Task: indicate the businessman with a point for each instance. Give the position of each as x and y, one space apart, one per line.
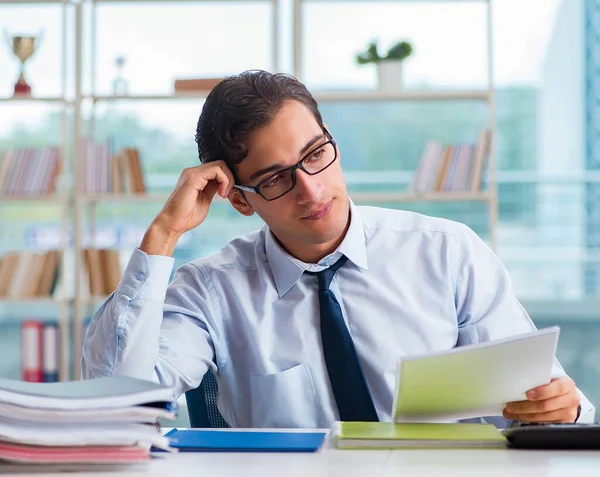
303 321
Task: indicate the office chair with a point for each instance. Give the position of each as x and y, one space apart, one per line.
202 404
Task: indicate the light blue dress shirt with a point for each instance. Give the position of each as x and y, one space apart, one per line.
412 284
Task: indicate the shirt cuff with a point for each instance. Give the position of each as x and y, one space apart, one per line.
146 276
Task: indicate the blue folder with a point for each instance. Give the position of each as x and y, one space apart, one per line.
197 440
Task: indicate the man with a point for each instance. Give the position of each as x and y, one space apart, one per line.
303 321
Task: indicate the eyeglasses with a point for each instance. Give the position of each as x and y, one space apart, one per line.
317 160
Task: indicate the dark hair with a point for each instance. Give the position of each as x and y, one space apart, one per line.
241 104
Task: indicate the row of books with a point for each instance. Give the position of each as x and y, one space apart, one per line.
106 172
29 274
34 172
455 168
103 271
40 351
29 172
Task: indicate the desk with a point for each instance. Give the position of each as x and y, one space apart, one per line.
331 462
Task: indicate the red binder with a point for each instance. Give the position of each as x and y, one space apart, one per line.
32 351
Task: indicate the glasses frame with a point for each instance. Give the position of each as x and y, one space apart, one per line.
299 165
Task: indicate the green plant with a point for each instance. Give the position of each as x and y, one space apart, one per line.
398 51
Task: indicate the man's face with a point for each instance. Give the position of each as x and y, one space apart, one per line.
311 219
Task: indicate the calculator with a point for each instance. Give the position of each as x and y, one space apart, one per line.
553 436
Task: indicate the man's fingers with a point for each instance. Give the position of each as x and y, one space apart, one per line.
198 177
562 415
549 405
558 387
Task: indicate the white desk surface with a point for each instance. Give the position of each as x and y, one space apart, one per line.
331 462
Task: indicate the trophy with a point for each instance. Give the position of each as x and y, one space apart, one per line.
23 48
120 86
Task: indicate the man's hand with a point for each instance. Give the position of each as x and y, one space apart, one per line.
554 402
187 206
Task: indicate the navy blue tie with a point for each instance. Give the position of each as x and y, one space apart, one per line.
348 382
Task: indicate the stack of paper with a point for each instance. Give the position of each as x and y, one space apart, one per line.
107 420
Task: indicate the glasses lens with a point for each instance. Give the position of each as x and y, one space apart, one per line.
320 158
277 185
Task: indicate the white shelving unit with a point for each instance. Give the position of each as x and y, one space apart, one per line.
84 206
490 196
61 200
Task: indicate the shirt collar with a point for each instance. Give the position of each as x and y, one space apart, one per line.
287 269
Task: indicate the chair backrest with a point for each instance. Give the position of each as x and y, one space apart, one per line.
202 404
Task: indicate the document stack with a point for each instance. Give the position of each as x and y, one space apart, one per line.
112 420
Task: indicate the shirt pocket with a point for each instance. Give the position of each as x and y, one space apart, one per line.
285 399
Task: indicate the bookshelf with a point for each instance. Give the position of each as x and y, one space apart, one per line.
36 99
329 96
32 194
485 95
79 208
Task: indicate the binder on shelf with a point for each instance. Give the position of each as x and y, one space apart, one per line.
50 349
40 351
32 351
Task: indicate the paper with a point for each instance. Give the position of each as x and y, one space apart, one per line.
126 414
101 393
475 380
20 453
96 434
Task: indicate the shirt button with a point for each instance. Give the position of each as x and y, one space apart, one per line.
140 276
120 331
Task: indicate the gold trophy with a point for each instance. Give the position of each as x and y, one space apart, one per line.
23 48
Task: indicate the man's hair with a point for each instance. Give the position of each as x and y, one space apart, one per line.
241 104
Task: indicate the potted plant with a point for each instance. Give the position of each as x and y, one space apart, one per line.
389 67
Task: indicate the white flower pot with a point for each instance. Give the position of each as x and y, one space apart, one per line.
389 75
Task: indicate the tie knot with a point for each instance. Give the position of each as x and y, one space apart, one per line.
325 276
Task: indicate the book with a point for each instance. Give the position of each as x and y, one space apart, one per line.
195 84
389 435
196 440
476 380
79 434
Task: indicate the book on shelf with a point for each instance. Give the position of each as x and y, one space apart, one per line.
454 168
29 172
194 85
29 274
103 271
40 351
106 172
